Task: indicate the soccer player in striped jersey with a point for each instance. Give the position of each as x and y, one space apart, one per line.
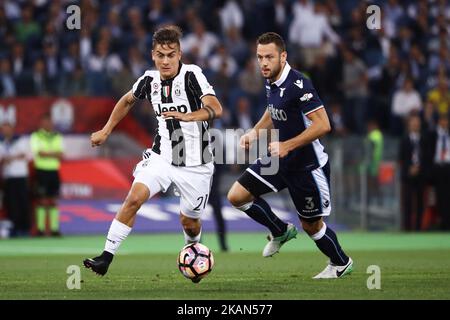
183 102
295 109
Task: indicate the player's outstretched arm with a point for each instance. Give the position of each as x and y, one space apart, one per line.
119 112
319 127
264 123
211 109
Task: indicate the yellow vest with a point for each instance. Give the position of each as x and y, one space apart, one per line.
43 140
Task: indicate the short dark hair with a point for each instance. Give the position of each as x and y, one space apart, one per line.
272 37
166 36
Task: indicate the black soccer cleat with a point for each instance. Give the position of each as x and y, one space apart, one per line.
99 264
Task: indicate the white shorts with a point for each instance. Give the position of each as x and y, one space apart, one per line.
193 183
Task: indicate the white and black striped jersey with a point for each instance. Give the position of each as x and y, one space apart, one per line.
180 143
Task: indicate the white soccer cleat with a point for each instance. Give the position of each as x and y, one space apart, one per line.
274 244
333 271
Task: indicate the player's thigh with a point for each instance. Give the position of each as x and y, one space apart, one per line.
154 173
257 182
194 185
310 192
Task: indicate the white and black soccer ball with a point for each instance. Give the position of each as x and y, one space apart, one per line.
195 261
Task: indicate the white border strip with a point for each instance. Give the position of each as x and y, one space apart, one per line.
262 179
319 107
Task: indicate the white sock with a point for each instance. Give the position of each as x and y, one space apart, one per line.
319 234
116 234
188 239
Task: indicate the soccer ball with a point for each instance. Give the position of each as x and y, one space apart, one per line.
195 261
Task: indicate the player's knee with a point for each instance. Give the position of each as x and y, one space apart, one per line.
237 198
311 227
133 202
233 198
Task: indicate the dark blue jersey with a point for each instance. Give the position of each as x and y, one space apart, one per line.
289 100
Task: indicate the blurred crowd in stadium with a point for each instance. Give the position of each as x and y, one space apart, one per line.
359 73
391 74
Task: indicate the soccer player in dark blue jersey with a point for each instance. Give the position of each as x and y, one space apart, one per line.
295 109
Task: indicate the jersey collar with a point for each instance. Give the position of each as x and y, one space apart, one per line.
284 75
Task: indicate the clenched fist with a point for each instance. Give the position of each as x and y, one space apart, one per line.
99 137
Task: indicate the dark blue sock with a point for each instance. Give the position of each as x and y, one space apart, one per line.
330 246
260 212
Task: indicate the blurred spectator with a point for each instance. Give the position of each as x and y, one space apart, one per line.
236 45
374 154
354 84
47 148
114 24
7 84
74 83
337 120
231 16
223 84
429 117
138 65
405 100
72 58
123 81
219 58
103 61
13 158
412 175
18 60
281 16
417 63
156 13
52 66
250 82
440 97
308 31
200 43
243 114
27 29
439 161
392 15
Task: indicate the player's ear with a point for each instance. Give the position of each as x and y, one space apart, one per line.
153 55
283 56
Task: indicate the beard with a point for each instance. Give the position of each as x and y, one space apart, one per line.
275 71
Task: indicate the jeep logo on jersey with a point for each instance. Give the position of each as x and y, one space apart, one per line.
277 114
159 111
306 97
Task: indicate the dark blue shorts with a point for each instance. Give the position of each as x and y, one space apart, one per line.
309 190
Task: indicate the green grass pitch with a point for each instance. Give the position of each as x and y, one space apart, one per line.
413 266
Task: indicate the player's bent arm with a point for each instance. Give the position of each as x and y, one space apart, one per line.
120 110
264 123
211 109
319 127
